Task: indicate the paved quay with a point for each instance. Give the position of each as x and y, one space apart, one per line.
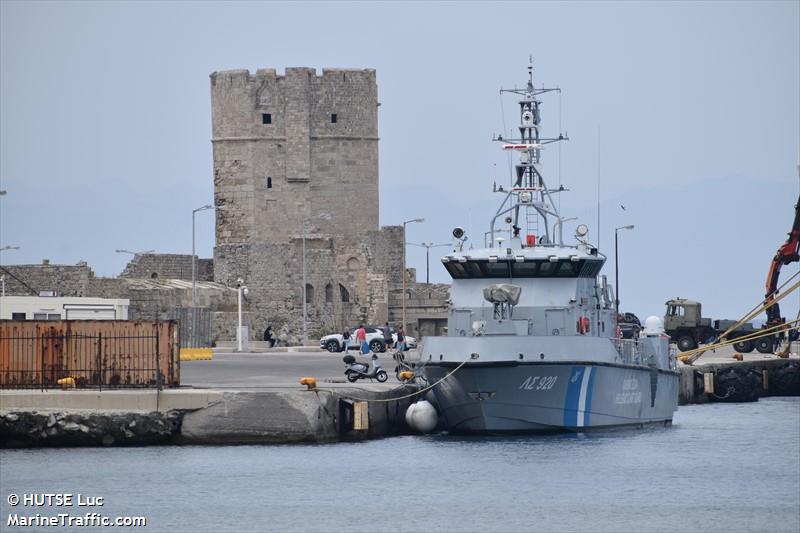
235 398
273 369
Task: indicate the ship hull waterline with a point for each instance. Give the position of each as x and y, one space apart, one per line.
533 397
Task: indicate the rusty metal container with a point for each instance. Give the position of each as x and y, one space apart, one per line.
95 353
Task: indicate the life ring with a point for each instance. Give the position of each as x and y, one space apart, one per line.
583 325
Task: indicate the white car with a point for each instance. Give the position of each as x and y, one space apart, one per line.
375 340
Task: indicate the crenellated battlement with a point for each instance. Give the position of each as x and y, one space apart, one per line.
245 76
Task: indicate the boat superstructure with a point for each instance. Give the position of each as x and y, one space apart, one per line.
532 327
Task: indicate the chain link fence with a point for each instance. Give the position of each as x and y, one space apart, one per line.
195 328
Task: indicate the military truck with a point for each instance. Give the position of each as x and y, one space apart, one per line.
685 324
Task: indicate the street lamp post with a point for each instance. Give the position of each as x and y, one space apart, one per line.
3 277
240 289
323 216
420 220
428 246
616 267
193 339
134 253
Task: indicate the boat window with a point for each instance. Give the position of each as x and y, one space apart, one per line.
456 270
528 269
563 268
546 269
473 270
496 270
590 269
566 269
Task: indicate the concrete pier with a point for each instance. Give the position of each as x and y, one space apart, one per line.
718 377
64 418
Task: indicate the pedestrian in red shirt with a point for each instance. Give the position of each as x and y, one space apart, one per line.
361 338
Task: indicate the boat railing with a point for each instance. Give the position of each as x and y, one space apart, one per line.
673 357
630 351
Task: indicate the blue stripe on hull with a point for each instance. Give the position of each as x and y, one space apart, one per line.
573 396
592 374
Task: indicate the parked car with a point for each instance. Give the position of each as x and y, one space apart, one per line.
411 342
375 340
629 325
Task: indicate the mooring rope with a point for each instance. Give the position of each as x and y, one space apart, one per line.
731 390
689 354
429 387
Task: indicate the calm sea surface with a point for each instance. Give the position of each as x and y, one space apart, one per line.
726 468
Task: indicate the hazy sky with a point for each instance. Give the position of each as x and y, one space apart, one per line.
105 124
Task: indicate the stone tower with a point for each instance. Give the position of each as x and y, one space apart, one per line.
296 154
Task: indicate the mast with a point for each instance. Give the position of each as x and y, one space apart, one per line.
530 201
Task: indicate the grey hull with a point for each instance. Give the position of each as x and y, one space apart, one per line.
547 397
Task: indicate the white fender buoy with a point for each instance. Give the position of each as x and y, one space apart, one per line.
421 416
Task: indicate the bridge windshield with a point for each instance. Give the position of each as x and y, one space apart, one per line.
563 268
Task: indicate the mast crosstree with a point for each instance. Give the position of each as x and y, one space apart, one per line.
529 200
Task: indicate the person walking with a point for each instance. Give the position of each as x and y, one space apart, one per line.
361 339
268 337
387 335
346 339
401 340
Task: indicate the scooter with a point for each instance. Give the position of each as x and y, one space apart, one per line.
356 371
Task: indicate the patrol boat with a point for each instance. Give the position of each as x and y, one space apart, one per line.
532 340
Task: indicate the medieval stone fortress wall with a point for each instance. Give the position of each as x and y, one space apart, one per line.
297 154
294 155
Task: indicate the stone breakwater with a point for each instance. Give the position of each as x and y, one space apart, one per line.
202 417
745 381
26 429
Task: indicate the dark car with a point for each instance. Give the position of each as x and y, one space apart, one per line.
629 325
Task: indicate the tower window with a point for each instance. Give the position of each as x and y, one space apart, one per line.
334 118
309 293
266 118
269 182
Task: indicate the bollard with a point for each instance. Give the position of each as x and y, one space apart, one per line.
708 382
311 383
360 416
353 417
765 379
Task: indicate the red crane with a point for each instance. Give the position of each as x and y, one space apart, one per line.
787 253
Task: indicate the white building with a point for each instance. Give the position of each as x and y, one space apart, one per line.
58 308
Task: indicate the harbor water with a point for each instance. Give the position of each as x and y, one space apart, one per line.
720 467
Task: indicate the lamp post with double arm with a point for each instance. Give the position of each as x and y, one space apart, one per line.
428 246
3 277
193 338
405 223
616 267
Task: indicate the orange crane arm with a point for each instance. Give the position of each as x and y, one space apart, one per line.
787 253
